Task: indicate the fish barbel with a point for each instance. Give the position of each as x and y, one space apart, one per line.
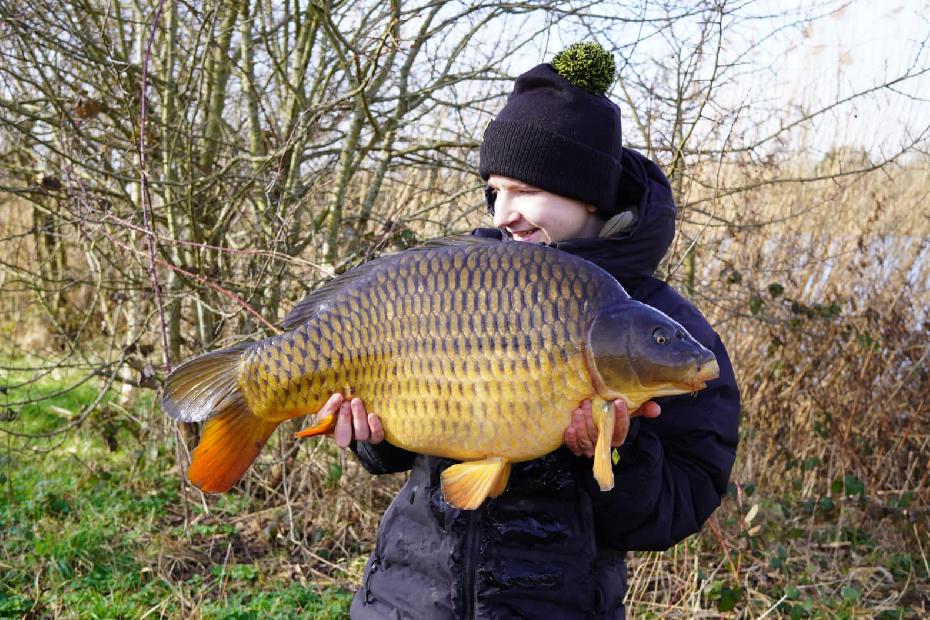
471 349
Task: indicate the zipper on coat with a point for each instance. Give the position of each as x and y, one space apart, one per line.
470 564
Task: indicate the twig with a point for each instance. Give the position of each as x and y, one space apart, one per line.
783 598
923 555
203 280
146 202
222 581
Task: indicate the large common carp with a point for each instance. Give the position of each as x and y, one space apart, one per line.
467 348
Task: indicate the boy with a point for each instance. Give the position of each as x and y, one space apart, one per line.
553 545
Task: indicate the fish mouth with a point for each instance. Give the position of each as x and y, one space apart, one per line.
703 374
636 396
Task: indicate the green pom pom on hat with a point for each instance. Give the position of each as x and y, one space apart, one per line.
587 65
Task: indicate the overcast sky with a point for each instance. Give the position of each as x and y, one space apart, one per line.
802 64
861 46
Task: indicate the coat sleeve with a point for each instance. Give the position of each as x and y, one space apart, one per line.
673 470
382 458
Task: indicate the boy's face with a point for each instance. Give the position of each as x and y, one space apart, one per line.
531 214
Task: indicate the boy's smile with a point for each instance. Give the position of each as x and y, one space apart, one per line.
531 214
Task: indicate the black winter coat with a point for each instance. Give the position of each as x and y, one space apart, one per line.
553 545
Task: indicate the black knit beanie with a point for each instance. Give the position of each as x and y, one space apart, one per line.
559 132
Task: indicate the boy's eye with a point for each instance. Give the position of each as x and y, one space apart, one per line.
490 196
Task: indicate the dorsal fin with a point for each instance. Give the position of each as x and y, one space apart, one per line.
321 298
454 240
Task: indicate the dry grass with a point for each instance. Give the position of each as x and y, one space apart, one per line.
825 316
820 290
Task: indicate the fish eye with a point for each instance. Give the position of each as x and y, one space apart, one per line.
659 336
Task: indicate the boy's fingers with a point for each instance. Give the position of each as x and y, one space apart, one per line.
649 409
581 434
571 441
377 431
581 428
591 429
360 420
331 406
585 431
621 424
343 433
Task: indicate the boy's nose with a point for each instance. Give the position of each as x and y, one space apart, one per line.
504 214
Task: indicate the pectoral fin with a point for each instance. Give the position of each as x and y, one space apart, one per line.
604 419
325 426
466 485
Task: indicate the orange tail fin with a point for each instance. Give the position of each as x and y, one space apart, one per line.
206 389
230 443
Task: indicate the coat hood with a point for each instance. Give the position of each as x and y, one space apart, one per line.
637 252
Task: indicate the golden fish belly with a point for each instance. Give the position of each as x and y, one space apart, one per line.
519 414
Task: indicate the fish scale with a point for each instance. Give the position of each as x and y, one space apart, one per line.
475 350
490 337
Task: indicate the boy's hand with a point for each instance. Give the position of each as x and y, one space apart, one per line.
352 422
581 435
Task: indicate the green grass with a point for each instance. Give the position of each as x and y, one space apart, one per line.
87 515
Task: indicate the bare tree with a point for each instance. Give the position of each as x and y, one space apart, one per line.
175 175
